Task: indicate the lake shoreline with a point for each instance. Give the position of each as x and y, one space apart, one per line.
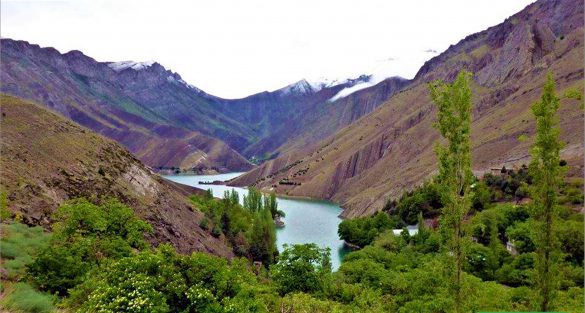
307 220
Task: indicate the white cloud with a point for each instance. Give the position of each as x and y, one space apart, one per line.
235 48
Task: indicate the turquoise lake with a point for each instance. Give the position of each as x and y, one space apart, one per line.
306 221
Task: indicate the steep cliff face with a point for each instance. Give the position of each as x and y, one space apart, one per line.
127 104
47 160
391 149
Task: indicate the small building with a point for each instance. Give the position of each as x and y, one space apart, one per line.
257 266
497 171
511 247
412 230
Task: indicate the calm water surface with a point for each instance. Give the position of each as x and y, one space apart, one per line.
306 220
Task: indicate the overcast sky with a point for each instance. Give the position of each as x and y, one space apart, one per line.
235 48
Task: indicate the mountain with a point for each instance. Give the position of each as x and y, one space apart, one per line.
390 150
308 117
47 159
170 123
147 108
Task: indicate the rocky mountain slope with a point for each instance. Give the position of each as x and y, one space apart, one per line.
47 159
167 122
287 118
391 149
147 108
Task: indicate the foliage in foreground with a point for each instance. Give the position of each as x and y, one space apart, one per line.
164 281
21 297
548 176
85 235
455 177
19 245
302 268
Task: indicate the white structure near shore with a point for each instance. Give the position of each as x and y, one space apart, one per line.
412 230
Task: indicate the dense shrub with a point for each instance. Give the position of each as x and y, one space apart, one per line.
510 184
425 199
521 235
302 268
164 281
362 231
482 196
84 235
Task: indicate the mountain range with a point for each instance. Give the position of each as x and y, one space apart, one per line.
163 120
321 140
390 150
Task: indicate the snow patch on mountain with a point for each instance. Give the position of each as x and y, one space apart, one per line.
302 87
373 80
349 90
324 82
306 87
380 71
122 65
172 79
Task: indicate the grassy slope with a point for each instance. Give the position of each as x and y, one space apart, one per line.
47 159
19 245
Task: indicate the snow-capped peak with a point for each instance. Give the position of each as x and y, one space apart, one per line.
302 87
120 66
324 82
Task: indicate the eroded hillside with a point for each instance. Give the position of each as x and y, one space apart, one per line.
391 150
47 159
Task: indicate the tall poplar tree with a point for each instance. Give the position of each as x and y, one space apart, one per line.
455 177
547 176
271 204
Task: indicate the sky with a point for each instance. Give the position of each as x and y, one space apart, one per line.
234 48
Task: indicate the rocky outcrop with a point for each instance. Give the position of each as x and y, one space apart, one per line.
47 160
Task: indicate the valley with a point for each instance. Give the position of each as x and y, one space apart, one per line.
124 188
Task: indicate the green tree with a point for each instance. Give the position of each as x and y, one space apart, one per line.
162 280
482 196
496 250
455 176
263 243
231 197
302 268
271 204
547 177
84 235
253 201
362 231
209 194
